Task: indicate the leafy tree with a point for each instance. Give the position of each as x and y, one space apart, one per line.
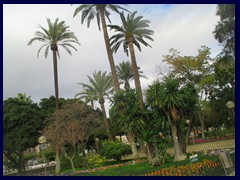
125 114
134 30
146 136
47 105
171 102
224 67
70 125
100 11
22 123
194 70
115 150
191 100
125 73
100 87
57 35
24 98
223 89
225 29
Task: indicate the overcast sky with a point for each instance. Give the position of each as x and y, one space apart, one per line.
182 27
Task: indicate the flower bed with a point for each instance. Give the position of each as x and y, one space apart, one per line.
207 167
111 166
212 139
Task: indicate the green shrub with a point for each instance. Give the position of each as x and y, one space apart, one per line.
29 156
220 133
49 154
65 163
115 150
95 160
163 155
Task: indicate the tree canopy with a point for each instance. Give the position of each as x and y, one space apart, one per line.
22 123
225 29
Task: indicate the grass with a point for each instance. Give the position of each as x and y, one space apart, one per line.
144 168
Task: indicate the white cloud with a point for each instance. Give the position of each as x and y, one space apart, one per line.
183 27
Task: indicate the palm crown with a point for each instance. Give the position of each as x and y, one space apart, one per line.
100 85
125 73
133 29
90 11
100 11
58 34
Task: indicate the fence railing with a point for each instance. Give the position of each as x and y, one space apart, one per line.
204 170
215 168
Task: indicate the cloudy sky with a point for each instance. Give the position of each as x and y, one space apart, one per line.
182 27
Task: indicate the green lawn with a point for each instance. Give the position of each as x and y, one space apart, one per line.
144 168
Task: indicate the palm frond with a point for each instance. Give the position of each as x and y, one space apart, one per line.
57 34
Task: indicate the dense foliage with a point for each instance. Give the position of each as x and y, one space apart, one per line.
22 123
115 150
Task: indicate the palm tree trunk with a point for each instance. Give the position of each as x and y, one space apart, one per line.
107 124
181 143
149 154
179 155
131 138
109 51
135 73
126 85
55 69
190 127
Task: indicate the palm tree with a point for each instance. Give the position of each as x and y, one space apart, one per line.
57 35
100 86
132 32
168 98
125 73
100 11
127 115
89 95
24 98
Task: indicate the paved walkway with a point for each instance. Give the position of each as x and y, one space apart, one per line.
224 144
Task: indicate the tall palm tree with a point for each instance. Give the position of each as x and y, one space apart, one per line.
101 86
132 32
57 35
100 11
125 73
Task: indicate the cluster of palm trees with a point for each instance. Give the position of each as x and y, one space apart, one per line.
133 31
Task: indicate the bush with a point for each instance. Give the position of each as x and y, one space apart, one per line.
65 163
95 160
49 154
115 150
29 156
221 133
